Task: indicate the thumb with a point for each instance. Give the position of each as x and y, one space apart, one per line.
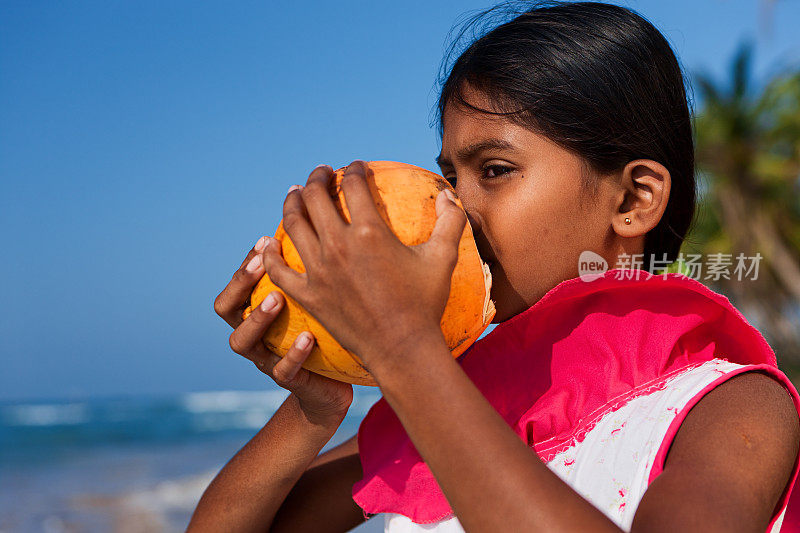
450 222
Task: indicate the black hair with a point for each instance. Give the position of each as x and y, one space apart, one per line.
598 80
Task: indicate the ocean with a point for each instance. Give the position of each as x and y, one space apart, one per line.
129 465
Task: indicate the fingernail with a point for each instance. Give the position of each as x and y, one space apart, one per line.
450 195
354 167
294 187
254 264
304 341
261 244
270 302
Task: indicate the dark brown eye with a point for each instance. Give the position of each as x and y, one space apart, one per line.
494 171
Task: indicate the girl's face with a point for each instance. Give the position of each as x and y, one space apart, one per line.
524 199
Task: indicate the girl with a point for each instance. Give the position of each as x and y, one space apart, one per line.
623 401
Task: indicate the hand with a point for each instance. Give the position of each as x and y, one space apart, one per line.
322 399
370 291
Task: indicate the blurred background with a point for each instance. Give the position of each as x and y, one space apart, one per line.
146 146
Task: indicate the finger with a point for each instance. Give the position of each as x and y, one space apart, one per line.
256 249
286 370
281 274
233 298
450 222
357 195
246 338
298 227
319 204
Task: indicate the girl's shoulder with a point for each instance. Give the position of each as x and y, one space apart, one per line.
612 452
737 448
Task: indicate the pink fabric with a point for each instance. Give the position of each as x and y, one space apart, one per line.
548 371
791 522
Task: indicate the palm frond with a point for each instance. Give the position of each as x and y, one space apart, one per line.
711 95
741 70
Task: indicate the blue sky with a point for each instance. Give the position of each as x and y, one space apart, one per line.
145 146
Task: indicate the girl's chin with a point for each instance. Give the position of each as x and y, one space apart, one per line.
506 305
501 315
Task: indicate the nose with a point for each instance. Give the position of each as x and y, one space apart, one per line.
484 249
475 221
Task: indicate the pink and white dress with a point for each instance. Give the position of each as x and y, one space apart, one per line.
596 378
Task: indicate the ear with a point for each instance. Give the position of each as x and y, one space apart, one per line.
645 186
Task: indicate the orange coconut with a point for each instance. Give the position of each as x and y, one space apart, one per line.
405 196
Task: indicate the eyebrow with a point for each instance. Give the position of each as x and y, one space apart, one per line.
473 149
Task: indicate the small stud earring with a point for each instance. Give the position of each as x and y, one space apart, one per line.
627 220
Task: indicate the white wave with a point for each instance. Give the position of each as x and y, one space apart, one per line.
164 507
252 403
181 494
47 414
249 419
232 401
